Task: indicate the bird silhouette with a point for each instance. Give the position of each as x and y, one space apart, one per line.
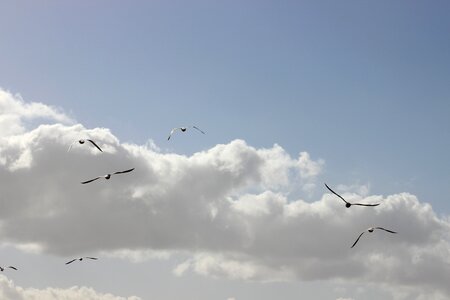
80 259
348 204
82 141
371 229
183 129
107 176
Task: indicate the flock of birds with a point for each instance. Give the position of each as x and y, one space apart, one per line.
348 204
184 129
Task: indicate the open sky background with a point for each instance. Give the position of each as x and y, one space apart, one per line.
352 93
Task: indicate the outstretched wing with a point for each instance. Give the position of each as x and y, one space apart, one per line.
69 262
385 229
94 258
93 143
84 182
198 129
172 131
362 204
71 145
11 267
126 171
357 239
335 193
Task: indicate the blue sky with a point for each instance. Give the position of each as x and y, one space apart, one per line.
360 84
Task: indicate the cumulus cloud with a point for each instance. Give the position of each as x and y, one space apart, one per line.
226 208
15 112
10 291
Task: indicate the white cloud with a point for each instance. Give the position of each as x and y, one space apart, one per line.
8 290
14 112
225 207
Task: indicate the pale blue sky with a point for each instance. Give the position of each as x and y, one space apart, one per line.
363 85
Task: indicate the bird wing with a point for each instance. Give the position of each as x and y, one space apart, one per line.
69 262
126 171
11 267
385 229
93 143
357 239
94 258
362 204
71 145
172 131
84 182
198 129
335 193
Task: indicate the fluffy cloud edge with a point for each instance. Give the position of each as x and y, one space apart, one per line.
9 290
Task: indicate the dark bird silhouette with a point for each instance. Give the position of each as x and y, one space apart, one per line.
82 141
371 229
183 129
80 259
107 176
348 204
10 267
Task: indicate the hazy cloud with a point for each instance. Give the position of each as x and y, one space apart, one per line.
8 290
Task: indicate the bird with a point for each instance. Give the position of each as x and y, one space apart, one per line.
82 141
348 204
183 129
371 229
80 259
107 176
11 267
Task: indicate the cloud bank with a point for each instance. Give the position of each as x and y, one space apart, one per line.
227 208
8 290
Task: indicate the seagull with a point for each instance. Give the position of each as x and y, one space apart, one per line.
371 229
348 204
80 259
107 176
82 141
183 129
11 267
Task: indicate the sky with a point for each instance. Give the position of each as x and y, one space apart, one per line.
290 95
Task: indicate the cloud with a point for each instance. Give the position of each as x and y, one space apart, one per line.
14 113
227 208
8 290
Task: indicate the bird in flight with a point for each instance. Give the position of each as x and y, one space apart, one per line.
107 176
82 141
348 204
10 267
371 229
80 259
183 129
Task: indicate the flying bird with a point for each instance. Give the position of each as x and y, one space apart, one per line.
371 229
82 141
348 204
107 176
81 258
183 129
11 267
